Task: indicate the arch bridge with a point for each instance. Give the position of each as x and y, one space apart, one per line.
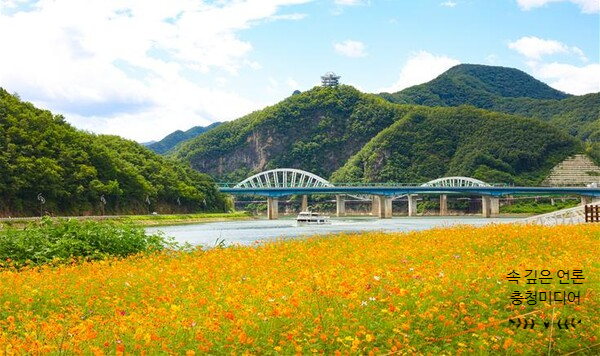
287 181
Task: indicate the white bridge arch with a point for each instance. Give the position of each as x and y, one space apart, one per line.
296 178
450 182
284 178
456 182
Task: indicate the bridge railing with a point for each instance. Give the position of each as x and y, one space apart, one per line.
363 184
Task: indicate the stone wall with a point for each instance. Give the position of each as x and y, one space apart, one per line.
578 170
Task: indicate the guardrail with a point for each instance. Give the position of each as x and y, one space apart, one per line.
573 215
361 184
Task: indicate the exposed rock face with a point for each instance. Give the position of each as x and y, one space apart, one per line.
317 131
578 170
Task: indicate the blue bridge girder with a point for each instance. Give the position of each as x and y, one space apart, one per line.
401 190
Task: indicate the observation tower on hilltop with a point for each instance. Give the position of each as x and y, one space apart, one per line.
330 79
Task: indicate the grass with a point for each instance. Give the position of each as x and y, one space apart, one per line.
142 220
441 291
172 219
531 206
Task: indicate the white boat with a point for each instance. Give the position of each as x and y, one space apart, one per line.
309 217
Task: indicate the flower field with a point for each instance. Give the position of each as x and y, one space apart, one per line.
441 291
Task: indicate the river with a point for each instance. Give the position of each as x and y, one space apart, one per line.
250 231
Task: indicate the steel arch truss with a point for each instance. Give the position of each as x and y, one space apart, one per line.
284 178
451 182
456 182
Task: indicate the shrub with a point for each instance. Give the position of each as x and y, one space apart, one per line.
62 240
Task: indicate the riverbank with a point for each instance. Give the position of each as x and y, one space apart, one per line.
142 220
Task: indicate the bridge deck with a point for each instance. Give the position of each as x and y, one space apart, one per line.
401 190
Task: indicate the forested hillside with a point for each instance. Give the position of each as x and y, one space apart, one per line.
577 115
325 129
478 85
511 91
40 154
317 131
175 138
429 143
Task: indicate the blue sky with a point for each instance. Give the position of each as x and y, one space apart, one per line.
142 69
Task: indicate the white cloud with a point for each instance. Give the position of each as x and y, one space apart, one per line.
350 2
421 67
566 77
292 83
341 4
188 106
586 6
295 17
448 4
569 78
108 64
350 48
491 59
534 48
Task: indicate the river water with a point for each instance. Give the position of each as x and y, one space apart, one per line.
248 232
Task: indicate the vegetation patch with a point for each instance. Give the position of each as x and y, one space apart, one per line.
535 206
173 219
430 143
441 291
47 167
62 241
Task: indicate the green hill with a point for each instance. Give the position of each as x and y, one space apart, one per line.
478 85
429 143
510 91
317 131
577 115
177 137
42 154
363 138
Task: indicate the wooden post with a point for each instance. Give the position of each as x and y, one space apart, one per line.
592 213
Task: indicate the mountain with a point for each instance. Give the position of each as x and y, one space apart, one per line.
478 85
317 131
510 91
175 138
430 143
361 137
42 156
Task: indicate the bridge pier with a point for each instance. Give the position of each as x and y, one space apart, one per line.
443 205
585 199
272 208
374 205
486 206
495 206
412 204
384 207
340 204
304 203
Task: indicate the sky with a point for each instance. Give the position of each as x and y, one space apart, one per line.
143 69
